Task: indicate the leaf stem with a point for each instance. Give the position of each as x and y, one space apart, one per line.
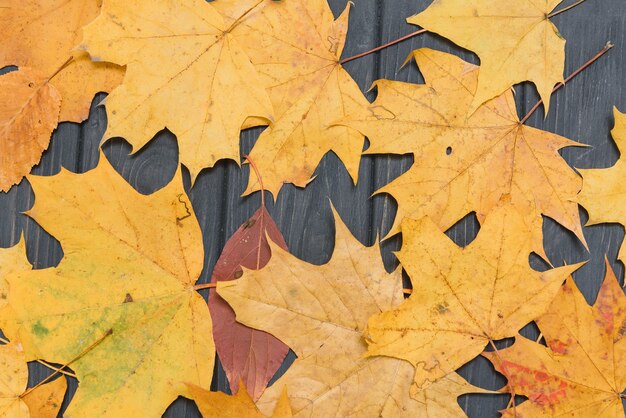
603 51
508 383
205 286
61 68
565 9
80 355
258 176
387 45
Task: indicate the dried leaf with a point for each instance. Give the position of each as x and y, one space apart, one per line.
221 405
117 243
321 312
296 46
42 402
462 298
603 194
43 34
185 72
582 372
465 164
29 112
245 353
515 41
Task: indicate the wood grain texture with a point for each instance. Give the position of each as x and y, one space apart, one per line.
581 111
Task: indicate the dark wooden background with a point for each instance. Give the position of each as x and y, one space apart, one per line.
581 111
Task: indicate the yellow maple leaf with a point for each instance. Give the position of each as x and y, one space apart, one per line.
15 400
12 261
42 34
29 112
296 46
321 313
465 164
185 72
239 405
603 194
515 41
125 284
462 299
582 372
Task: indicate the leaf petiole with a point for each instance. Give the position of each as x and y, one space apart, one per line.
565 9
80 355
387 45
603 51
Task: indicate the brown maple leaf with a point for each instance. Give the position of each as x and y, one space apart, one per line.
246 354
582 371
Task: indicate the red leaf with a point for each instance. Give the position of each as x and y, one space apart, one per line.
247 354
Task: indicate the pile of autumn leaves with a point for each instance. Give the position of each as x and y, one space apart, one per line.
122 309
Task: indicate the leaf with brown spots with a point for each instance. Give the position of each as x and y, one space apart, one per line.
29 112
582 371
463 298
246 354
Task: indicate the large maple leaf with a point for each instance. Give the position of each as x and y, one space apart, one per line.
515 41
246 354
582 372
603 194
42 34
296 46
465 164
29 112
462 299
16 401
125 284
185 72
321 313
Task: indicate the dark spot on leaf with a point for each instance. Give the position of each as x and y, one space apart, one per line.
39 329
442 308
249 223
448 150
128 298
238 274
